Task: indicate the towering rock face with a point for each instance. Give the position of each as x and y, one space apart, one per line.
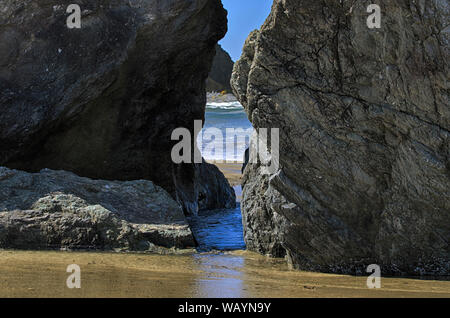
221 70
364 120
103 100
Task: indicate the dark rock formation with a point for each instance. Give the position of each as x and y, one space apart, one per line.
221 70
364 120
263 227
57 209
213 191
103 100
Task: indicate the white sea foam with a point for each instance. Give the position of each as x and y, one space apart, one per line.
225 105
226 148
223 115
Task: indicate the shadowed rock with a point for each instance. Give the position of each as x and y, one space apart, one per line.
57 209
103 100
220 74
213 191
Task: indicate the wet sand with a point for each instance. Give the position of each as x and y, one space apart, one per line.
231 274
234 274
232 171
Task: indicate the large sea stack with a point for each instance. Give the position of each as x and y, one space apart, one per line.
364 118
221 70
102 101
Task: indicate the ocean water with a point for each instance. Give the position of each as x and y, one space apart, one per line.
218 230
226 133
225 136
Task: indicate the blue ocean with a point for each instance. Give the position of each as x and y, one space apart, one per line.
226 132
225 136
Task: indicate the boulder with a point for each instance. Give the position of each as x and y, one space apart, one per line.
58 209
364 119
214 190
102 101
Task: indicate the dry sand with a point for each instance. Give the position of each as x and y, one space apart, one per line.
235 274
232 171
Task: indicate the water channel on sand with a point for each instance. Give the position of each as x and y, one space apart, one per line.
228 274
207 273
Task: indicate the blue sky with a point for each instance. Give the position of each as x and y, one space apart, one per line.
244 16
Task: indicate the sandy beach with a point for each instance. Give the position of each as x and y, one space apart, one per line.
232 274
222 275
232 171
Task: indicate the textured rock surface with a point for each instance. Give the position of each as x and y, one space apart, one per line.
364 120
221 70
214 190
263 227
103 100
57 209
